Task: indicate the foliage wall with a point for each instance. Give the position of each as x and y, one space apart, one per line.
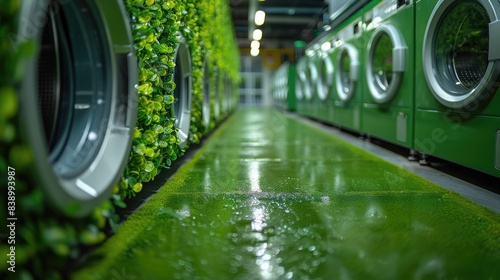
47 242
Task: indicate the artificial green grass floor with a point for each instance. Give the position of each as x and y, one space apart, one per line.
269 197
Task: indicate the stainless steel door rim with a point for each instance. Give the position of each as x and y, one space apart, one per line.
78 103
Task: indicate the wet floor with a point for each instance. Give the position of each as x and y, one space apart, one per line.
270 197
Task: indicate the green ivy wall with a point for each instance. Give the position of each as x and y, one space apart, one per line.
48 242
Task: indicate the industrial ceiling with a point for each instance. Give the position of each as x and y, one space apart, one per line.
286 21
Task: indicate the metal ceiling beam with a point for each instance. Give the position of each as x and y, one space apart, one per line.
292 10
252 8
289 20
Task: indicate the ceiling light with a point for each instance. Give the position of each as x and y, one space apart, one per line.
255 45
260 17
326 46
257 34
254 52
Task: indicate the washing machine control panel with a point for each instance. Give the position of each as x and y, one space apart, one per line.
383 11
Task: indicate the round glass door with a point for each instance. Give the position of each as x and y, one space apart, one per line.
182 92
386 63
457 55
311 78
325 76
206 93
347 72
382 62
301 80
79 101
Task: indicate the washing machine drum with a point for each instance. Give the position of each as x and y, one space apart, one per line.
461 52
347 72
78 104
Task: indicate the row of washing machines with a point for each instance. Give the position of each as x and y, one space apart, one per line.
421 74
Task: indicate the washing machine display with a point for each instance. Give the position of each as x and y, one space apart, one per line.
458 116
388 101
348 81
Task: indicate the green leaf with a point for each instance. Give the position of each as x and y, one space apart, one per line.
145 16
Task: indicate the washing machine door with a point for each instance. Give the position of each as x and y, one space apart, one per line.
283 82
461 51
301 80
325 80
311 79
217 94
182 92
78 102
347 72
206 93
386 63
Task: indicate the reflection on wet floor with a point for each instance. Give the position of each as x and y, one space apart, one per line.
269 197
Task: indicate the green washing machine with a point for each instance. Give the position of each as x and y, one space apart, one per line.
77 98
279 87
313 54
388 101
348 78
301 85
457 99
324 83
284 87
310 94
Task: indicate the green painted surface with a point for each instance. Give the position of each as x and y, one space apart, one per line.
291 100
269 197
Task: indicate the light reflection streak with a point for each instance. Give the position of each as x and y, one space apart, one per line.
207 180
260 214
254 176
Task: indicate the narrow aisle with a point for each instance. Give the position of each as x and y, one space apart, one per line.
269 197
